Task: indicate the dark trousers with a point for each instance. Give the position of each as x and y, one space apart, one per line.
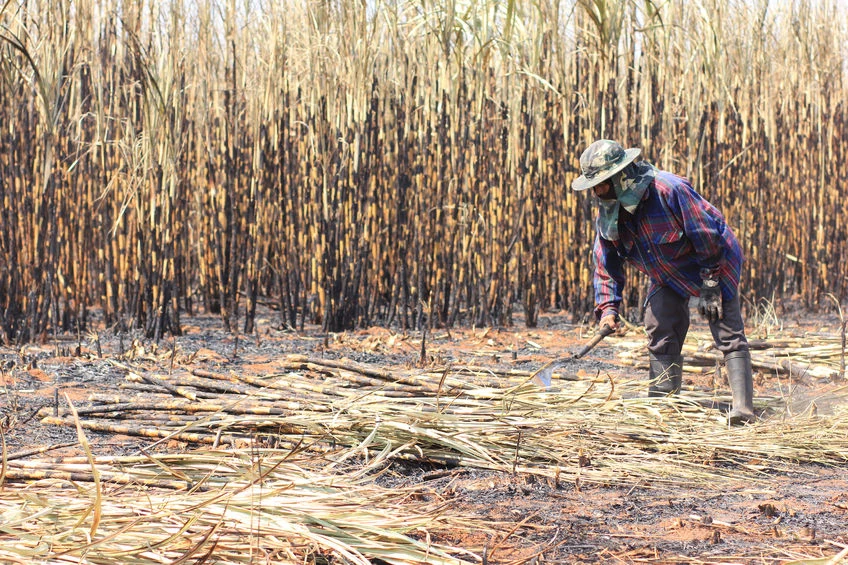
667 321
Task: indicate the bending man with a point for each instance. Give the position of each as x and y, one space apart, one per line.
656 221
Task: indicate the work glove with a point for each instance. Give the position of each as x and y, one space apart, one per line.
710 303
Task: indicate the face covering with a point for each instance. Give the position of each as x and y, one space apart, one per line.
630 186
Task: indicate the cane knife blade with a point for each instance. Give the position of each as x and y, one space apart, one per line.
543 376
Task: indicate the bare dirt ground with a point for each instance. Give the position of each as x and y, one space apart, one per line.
786 517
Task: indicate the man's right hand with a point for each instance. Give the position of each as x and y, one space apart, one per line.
610 320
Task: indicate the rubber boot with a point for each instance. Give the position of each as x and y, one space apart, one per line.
666 374
739 376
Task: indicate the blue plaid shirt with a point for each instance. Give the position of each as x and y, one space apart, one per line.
675 237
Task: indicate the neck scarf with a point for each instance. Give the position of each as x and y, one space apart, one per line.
630 186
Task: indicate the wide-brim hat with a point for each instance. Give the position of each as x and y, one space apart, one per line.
600 161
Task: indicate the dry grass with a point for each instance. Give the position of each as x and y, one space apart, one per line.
233 507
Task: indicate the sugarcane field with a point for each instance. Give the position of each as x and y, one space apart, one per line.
396 282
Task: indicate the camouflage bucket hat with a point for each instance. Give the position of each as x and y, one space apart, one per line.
600 161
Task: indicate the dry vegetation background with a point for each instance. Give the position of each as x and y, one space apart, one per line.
395 162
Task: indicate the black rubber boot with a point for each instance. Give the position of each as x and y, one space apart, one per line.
666 374
740 378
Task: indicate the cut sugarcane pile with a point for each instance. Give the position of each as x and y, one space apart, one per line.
816 356
215 506
468 416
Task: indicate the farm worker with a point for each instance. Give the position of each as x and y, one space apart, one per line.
656 221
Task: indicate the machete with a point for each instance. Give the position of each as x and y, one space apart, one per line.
543 376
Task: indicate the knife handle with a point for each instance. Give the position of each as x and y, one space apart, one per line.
604 332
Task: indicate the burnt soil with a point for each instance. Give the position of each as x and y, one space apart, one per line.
800 514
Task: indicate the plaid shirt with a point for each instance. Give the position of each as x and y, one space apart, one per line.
675 237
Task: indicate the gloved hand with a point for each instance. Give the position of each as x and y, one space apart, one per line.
710 303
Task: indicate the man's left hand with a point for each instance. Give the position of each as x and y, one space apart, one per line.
710 303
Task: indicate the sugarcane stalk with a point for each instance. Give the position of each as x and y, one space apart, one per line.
142 431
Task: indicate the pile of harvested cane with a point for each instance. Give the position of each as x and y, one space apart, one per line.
472 416
214 506
808 356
